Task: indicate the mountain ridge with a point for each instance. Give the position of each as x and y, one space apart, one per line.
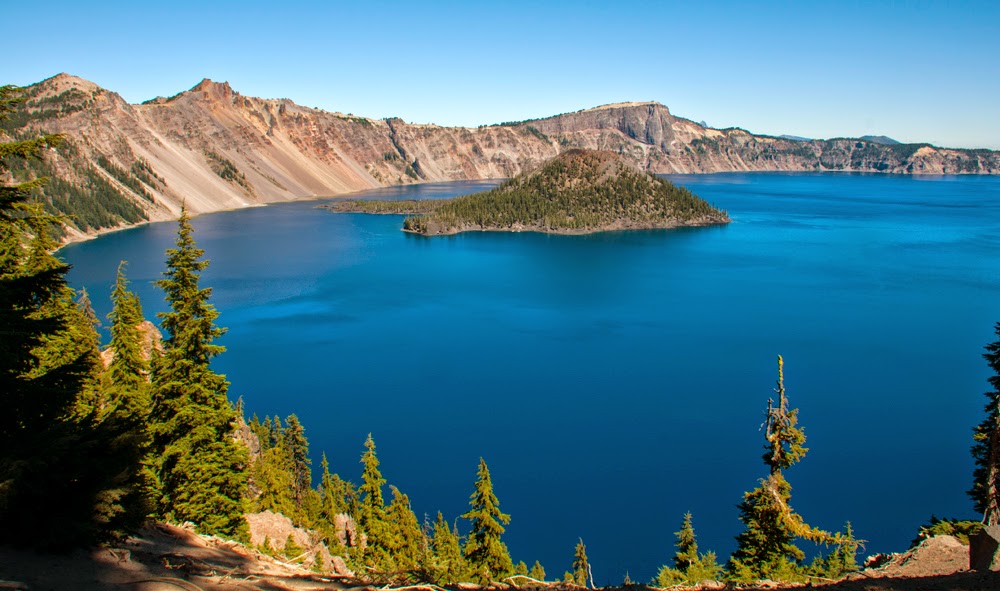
213 148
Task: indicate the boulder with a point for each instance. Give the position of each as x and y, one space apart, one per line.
984 549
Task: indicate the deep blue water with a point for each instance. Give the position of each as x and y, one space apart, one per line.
615 381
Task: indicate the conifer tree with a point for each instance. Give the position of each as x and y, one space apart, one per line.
201 470
407 537
451 565
689 566
485 552
333 493
537 572
521 568
985 490
687 545
581 566
372 512
60 461
297 448
766 548
129 368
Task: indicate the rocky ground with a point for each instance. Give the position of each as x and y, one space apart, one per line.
167 557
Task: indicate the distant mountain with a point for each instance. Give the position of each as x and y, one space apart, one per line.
213 149
880 139
795 138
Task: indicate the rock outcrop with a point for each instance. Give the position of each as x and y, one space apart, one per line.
213 148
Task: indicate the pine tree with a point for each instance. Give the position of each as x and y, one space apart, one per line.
200 468
766 548
581 566
485 552
129 368
297 448
372 513
537 572
687 545
60 460
451 567
407 537
333 493
985 490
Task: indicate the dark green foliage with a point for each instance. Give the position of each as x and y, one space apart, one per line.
372 515
485 552
537 572
227 170
297 449
200 469
581 566
336 494
381 206
766 548
841 561
937 526
687 545
406 543
64 461
292 550
451 566
125 177
985 490
576 191
129 368
690 567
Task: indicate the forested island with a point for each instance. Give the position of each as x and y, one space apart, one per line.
577 192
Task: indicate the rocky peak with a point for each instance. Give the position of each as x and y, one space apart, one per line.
216 90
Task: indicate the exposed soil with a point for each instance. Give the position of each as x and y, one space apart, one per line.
167 558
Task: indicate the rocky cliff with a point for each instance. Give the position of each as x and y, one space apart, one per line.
213 149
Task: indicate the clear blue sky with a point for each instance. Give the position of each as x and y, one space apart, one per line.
913 70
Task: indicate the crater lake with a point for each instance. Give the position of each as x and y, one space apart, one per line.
615 381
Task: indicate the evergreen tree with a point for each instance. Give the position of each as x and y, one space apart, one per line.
372 513
687 545
333 493
521 568
451 567
766 548
61 461
581 566
407 538
129 368
201 469
485 552
985 490
297 449
537 572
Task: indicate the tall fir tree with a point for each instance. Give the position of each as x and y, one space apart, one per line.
297 448
61 461
485 552
766 548
687 545
372 514
985 490
581 564
201 469
689 567
129 367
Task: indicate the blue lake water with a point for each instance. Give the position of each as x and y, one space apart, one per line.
615 381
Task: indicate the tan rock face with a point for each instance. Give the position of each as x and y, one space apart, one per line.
212 148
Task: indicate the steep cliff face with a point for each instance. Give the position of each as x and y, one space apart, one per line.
213 149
